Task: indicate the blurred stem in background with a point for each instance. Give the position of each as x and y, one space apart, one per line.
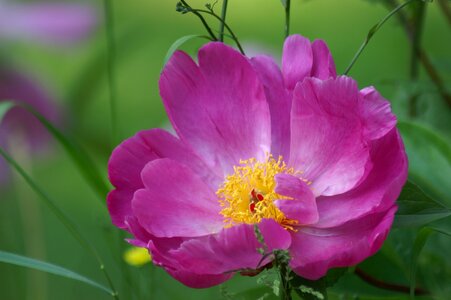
32 224
445 7
423 56
111 54
223 17
396 10
287 17
419 12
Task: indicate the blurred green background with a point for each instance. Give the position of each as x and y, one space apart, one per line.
144 31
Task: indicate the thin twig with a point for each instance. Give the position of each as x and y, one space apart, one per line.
417 30
373 31
202 19
423 56
385 285
444 5
225 25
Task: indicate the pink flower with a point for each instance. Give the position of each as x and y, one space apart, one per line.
315 162
18 124
47 22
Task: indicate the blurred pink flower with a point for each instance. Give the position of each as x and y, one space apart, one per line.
20 88
313 161
46 22
54 23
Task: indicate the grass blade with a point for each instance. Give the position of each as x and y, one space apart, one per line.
60 215
78 155
372 31
23 261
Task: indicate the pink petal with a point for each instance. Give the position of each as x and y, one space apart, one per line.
218 107
175 202
232 249
376 112
377 192
160 249
327 143
197 281
302 206
297 60
279 100
323 64
314 251
130 157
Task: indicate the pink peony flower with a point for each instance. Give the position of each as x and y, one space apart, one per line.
313 161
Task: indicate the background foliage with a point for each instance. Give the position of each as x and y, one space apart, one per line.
145 29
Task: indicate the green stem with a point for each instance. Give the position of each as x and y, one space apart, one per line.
111 54
386 285
61 217
444 6
418 21
31 217
423 56
373 31
225 25
285 287
223 17
287 18
202 19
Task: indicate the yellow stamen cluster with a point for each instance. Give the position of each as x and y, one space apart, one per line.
235 195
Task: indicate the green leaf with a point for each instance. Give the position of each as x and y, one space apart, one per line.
4 108
316 289
78 155
58 213
284 3
18 260
417 209
429 155
418 246
256 293
179 43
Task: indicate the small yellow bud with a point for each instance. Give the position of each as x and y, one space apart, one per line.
137 257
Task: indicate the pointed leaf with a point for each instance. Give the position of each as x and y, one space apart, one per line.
179 43
420 241
19 260
417 209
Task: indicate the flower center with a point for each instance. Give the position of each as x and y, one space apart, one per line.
247 196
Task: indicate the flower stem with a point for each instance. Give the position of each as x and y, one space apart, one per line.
418 20
202 19
234 37
111 54
444 5
423 56
223 18
287 18
385 285
285 287
373 30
